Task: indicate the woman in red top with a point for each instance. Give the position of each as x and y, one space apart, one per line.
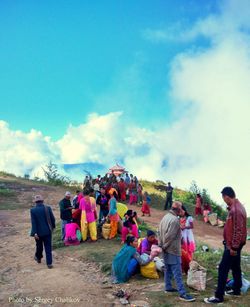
132 192
198 208
122 189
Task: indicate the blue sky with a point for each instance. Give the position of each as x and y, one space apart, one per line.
61 60
162 88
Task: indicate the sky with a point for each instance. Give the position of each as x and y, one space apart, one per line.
162 89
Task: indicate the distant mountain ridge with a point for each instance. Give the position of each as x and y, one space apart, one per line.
78 171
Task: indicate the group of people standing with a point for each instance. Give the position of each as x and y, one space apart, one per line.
127 187
175 235
84 213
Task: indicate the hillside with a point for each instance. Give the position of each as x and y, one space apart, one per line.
86 264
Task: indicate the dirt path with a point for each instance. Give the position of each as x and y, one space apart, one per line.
25 281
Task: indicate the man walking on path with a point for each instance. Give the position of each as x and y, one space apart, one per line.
65 212
170 241
235 232
43 223
169 191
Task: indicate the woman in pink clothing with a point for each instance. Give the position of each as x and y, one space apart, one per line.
129 225
71 234
88 217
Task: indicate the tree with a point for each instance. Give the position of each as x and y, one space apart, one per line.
194 188
52 175
206 197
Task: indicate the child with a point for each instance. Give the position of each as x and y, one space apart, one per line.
145 204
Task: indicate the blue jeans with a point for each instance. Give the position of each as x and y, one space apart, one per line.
173 269
63 223
46 241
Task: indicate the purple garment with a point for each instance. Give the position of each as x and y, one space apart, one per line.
146 246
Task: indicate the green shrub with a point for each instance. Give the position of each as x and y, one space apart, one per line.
53 177
56 237
6 192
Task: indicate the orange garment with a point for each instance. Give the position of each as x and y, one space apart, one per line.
112 190
113 229
185 260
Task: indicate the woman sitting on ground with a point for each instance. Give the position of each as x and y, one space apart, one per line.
129 225
146 243
127 261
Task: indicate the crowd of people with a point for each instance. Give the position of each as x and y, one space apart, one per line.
103 192
174 239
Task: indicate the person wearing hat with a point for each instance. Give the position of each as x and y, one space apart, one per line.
65 212
43 223
170 242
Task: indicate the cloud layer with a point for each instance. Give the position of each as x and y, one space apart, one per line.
209 138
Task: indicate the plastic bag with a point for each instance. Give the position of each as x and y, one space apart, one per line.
149 270
159 263
213 219
145 258
220 223
196 278
245 284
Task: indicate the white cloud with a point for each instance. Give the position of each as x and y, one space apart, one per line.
100 139
22 153
209 141
210 87
214 84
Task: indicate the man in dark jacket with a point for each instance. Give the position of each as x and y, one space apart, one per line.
65 212
103 201
43 222
235 233
169 191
